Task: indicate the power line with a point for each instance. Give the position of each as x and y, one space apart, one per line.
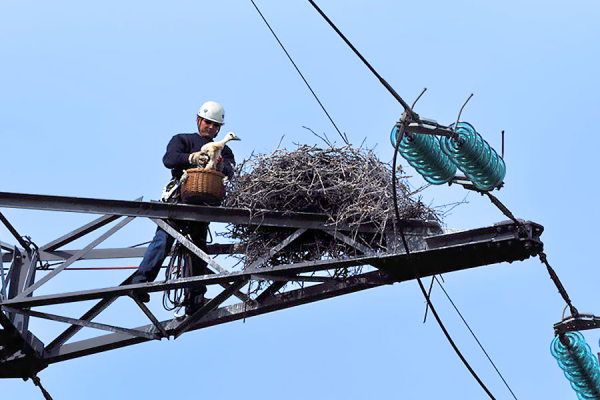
418 278
383 81
472 333
342 135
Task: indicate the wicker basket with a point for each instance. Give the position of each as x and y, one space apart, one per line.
203 186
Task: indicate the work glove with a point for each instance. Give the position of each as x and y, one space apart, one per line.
198 158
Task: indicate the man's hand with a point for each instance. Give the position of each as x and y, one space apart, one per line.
198 158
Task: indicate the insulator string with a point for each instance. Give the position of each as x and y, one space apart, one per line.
474 157
424 154
580 366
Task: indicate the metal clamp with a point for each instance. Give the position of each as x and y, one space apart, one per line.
580 322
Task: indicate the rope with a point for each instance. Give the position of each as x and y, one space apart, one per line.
342 135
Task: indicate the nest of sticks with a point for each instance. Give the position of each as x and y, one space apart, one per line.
351 186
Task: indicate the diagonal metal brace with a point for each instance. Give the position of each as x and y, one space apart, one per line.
349 241
216 268
14 232
88 316
275 286
208 307
189 245
82 231
277 249
89 324
150 316
74 258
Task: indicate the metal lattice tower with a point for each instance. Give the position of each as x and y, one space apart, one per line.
22 354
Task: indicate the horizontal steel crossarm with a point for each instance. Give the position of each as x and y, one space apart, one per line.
89 324
506 230
185 282
184 212
226 314
122 252
294 278
451 252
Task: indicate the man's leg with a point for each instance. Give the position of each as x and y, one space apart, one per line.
198 232
154 257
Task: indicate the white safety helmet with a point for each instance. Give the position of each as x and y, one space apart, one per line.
213 112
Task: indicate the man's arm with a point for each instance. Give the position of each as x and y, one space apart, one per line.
178 152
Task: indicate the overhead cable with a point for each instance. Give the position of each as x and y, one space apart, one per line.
342 135
474 336
383 81
418 278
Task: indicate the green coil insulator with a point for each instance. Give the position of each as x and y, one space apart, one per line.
423 153
474 157
580 366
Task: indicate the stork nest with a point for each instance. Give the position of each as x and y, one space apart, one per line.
351 186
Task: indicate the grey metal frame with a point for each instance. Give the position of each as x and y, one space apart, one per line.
23 355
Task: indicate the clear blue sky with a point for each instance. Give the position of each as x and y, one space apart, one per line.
90 93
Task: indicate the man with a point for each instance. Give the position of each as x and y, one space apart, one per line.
183 152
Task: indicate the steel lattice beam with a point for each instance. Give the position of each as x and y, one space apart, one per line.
184 212
432 252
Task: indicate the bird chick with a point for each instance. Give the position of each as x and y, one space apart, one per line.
214 149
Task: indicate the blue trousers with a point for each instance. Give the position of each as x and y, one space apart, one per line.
160 247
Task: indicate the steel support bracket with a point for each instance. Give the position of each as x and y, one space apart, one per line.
21 355
581 322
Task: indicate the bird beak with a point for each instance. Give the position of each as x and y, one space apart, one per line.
236 138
